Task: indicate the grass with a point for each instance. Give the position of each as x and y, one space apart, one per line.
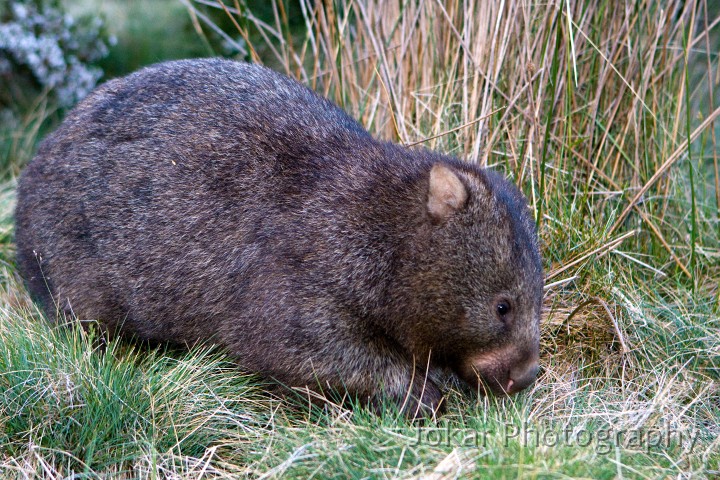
603 113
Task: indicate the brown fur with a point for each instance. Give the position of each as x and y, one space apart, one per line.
209 200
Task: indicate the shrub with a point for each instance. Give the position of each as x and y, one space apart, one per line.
43 49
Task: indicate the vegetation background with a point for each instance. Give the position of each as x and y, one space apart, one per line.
604 112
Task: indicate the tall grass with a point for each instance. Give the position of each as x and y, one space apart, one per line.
580 100
603 112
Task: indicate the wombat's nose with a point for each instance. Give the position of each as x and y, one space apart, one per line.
522 377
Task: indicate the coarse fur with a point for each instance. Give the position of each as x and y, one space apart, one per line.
212 200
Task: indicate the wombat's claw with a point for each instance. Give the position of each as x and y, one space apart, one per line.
425 402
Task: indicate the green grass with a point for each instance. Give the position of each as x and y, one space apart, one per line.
592 105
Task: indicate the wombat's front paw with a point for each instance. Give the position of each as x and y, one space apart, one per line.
424 401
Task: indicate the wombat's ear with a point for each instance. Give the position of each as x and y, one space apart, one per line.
447 194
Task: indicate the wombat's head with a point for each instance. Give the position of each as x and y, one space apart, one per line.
478 279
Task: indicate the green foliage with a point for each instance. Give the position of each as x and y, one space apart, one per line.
148 31
44 47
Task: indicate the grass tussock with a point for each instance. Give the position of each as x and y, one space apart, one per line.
603 112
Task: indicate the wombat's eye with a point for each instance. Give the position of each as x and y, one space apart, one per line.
503 308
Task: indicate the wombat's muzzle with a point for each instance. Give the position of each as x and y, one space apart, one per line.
522 377
503 371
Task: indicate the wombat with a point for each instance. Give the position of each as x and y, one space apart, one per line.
217 201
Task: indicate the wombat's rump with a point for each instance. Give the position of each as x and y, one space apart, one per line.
210 200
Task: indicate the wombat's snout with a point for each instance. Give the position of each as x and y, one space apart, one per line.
502 371
522 377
